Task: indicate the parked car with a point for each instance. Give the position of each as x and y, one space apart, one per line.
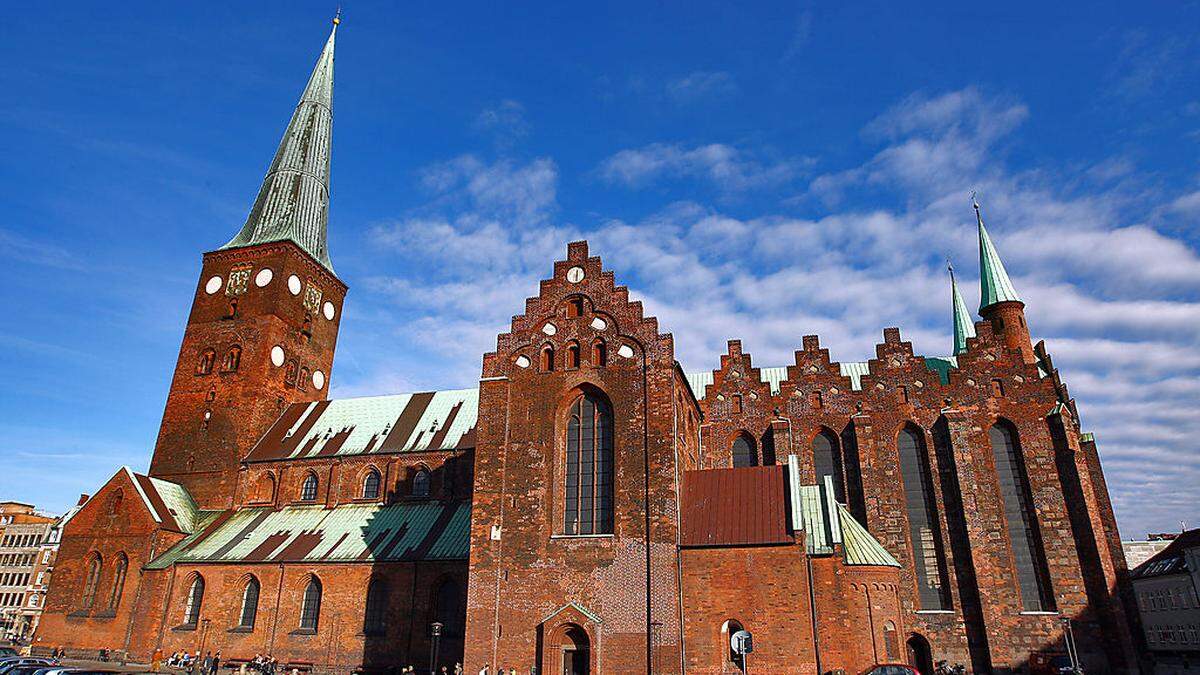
11 667
8 651
886 669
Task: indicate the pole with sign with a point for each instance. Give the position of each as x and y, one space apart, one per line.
742 643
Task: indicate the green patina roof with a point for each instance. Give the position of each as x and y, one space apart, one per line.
994 284
964 325
861 548
942 365
827 523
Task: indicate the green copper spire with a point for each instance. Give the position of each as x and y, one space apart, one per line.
293 202
994 284
964 327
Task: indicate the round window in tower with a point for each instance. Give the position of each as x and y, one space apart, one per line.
575 275
213 285
328 310
294 284
263 277
318 379
277 355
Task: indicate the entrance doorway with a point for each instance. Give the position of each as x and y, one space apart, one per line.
576 654
920 656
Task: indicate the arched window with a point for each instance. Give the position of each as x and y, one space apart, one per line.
588 479
195 598
114 503
249 604
375 616
302 381
233 358
420 483
547 359
727 630
308 490
266 489
575 306
929 561
310 608
599 354
827 462
370 488
118 585
743 451
93 580
449 608
891 645
205 365
573 355
1033 576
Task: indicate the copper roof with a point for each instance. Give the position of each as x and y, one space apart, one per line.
734 507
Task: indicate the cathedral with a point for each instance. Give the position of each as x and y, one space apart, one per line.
590 507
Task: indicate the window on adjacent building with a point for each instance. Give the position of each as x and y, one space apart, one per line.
249 604
310 609
588 479
743 451
929 560
370 488
195 598
308 491
1029 559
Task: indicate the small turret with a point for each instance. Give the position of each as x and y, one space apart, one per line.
998 299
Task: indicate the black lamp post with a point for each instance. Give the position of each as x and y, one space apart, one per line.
435 635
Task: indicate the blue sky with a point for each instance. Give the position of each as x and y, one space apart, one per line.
758 173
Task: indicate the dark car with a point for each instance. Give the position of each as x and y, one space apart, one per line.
890 669
12 667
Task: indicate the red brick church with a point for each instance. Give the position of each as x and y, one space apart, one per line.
590 507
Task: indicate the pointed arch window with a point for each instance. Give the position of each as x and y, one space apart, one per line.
375 616
118 585
308 490
929 560
195 598
370 489
827 462
420 482
588 479
547 359
310 608
599 354
573 355
1033 575
233 359
205 365
249 611
743 451
93 580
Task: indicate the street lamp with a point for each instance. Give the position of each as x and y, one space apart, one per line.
1069 639
435 634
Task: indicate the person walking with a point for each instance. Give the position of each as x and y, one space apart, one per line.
156 660
216 662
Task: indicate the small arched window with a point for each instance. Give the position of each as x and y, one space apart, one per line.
370 489
233 359
310 608
743 451
420 483
573 355
891 641
266 489
727 631
302 381
575 306
118 497
375 616
195 598
599 354
118 585
205 365
291 373
547 359
249 611
308 490
93 580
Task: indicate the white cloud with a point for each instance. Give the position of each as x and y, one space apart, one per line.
701 84
505 122
724 166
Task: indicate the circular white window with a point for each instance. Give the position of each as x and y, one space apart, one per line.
294 284
575 275
327 310
523 361
277 355
213 285
599 324
549 329
318 379
263 277
625 351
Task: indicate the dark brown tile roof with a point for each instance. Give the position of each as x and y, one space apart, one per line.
1171 559
734 507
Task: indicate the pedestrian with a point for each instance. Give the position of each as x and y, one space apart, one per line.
484 670
156 660
206 668
458 669
216 663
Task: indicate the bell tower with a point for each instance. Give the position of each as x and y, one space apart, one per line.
265 315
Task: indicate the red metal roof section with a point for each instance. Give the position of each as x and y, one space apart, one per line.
745 506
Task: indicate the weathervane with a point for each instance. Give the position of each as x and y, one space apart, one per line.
337 18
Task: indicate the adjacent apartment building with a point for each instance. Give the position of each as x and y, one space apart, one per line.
1167 587
23 532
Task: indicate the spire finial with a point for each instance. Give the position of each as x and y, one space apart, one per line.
337 18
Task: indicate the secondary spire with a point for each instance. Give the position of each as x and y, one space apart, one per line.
964 327
293 202
994 284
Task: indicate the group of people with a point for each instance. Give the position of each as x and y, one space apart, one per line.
486 670
191 663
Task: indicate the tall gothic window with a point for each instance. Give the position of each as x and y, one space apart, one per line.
420 483
450 611
118 586
588 484
1029 559
310 609
375 616
371 485
826 462
308 490
743 451
195 598
93 581
929 560
249 604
